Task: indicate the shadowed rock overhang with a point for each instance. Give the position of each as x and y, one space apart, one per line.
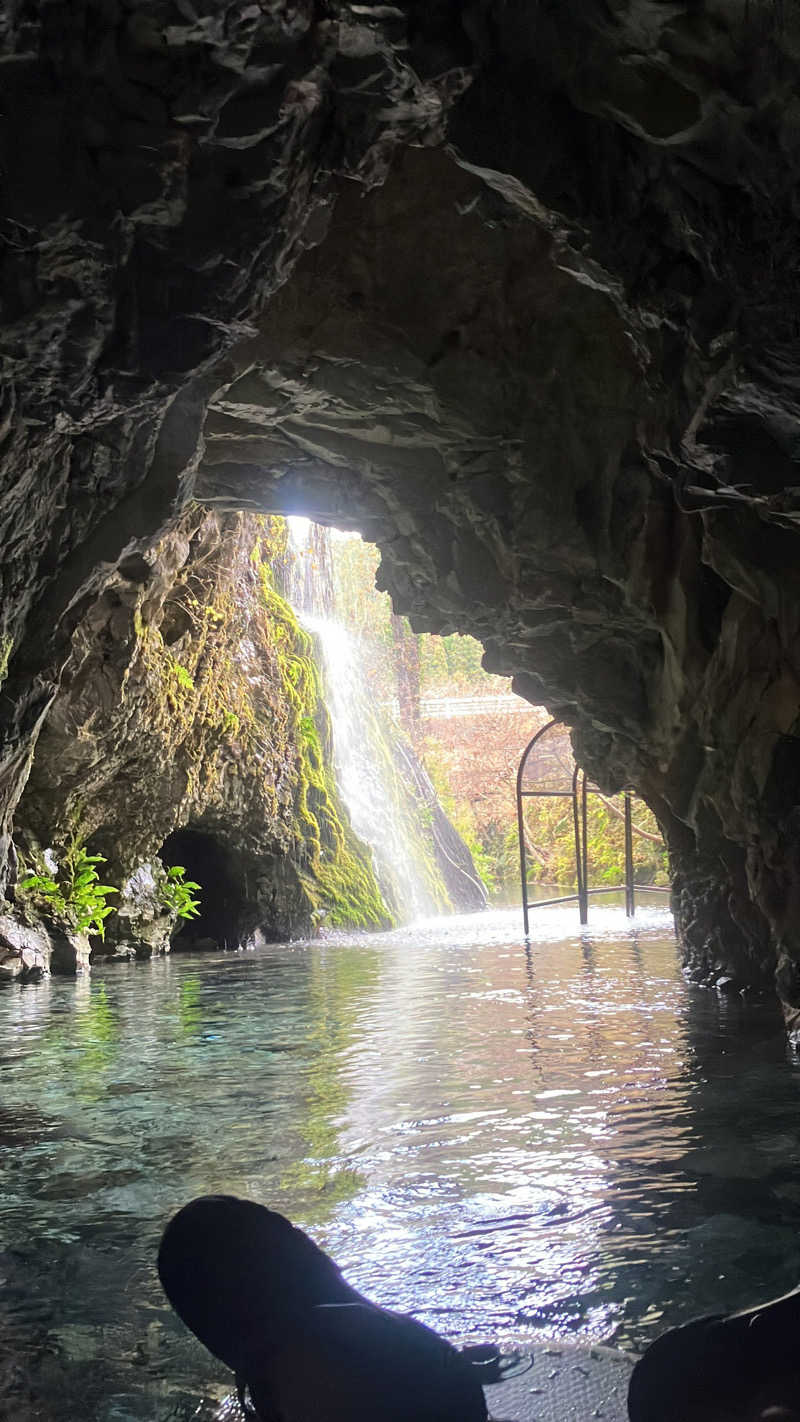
511 289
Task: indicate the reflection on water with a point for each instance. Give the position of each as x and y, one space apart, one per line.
570 1141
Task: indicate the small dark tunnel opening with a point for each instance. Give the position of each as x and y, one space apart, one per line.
223 904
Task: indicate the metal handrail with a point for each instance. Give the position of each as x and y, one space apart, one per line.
578 794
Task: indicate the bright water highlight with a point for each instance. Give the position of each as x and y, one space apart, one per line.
570 1142
364 760
366 775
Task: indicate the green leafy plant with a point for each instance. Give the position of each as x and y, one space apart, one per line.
44 889
86 896
77 896
176 893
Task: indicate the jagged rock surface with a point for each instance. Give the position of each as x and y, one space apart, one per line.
24 950
185 726
551 367
141 924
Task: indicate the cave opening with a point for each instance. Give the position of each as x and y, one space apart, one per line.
452 726
222 898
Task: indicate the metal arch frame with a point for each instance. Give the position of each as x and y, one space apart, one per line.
579 796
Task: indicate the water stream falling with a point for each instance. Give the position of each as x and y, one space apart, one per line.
377 801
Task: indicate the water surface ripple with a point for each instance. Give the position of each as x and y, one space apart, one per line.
566 1142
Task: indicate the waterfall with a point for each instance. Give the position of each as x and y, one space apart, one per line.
308 574
371 790
380 807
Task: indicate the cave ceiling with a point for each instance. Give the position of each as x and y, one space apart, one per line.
511 288
429 375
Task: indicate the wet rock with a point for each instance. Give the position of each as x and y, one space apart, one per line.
70 953
140 925
24 950
10 967
447 849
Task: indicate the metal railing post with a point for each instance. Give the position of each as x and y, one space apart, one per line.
585 902
523 863
630 897
579 824
578 793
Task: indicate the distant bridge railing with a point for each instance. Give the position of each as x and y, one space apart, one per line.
435 708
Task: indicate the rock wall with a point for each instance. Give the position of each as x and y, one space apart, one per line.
549 366
189 725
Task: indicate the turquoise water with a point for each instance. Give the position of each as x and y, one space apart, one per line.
570 1142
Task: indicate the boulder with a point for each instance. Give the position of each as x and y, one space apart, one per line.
24 950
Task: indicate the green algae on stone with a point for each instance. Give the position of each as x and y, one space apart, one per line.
192 704
338 879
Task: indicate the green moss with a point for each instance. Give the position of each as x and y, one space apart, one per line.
6 647
220 715
209 700
335 871
182 677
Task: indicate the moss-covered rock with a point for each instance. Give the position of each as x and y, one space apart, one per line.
190 724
